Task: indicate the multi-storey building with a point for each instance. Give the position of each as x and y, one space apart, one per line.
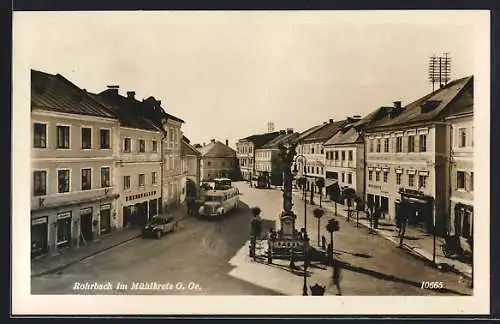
246 152
462 170
73 191
344 157
312 148
138 158
267 161
408 155
191 160
217 161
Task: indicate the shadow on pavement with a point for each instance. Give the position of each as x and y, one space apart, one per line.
387 277
361 255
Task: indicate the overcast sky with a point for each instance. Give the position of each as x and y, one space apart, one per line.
228 73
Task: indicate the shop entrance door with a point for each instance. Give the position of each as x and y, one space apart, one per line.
141 213
384 205
86 223
105 219
38 236
153 207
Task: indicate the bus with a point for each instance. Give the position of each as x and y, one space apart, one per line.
222 183
219 202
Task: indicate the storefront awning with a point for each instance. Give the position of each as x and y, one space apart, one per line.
330 182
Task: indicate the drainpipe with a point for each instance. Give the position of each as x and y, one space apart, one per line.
364 168
162 167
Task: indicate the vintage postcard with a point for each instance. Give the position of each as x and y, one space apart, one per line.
251 162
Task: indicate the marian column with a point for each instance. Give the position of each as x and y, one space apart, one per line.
287 217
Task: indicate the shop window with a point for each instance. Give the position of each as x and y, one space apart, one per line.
62 181
40 183
460 180
142 146
63 228
126 182
39 135
411 180
423 143
386 176
411 143
63 137
104 136
105 178
399 144
398 178
86 138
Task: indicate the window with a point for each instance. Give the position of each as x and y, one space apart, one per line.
471 185
208 163
411 143
153 177
86 179
343 177
462 137
472 137
378 145
336 155
343 155
312 150
398 178
349 155
154 146
142 146
377 176
105 180
142 180
460 180
127 145
317 170
349 178
386 145
104 135
411 180
423 143
371 145
86 138
399 144
63 137
63 228
422 181
304 169
370 175
126 182
40 135
63 181
322 150
385 175
40 183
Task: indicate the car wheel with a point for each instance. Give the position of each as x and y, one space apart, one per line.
158 234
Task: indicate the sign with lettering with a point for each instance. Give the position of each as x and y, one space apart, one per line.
64 215
38 221
106 207
85 211
374 186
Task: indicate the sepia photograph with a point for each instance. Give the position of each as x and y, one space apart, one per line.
236 162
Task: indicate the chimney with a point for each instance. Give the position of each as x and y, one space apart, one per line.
113 88
289 130
227 143
131 94
397 104
212 140
282 132
330 120
203 143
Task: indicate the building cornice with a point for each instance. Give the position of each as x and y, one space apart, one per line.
39 111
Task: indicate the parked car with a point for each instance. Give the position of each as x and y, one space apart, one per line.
159 225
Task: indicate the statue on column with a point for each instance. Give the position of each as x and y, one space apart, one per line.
287 217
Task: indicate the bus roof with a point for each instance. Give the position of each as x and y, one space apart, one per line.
222 179
219 192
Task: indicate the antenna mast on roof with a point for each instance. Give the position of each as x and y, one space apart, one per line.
270 127
439 69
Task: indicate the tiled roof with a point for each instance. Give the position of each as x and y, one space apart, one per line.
188 149
325 132
454 96
56 93
309 131
130 112
261 139
347 136
281 139
217 149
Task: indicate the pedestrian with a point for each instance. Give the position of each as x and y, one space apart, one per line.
402 229
336 276
376 217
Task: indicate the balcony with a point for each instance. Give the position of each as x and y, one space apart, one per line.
69 198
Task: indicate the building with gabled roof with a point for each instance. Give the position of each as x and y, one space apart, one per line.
191 166
246 152
218 160
408 157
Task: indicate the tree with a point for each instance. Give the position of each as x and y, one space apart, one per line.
318 213
349 194
359 207
331 227
335 194
320 183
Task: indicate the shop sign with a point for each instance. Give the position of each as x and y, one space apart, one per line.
85 211
106 207
374 186
38 221
64 215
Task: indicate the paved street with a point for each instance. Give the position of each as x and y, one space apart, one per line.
213 256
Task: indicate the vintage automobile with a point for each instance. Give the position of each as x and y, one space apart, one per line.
159 225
